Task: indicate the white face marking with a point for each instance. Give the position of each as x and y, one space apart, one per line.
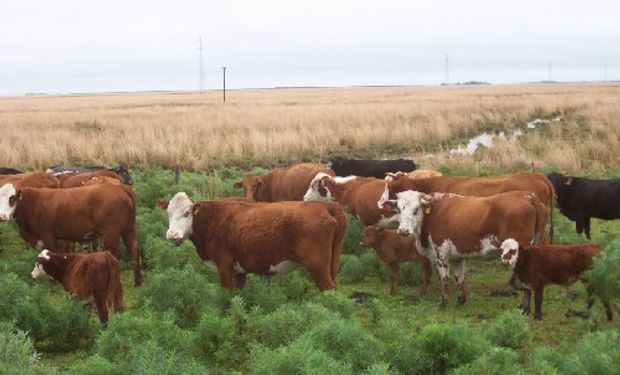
180 217
343 180
7 192
44 254
410 212
38 271
312 194
283 267
487 247
510 253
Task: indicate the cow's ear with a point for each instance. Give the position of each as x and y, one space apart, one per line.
426 200
195 209
390 205
238 185
162 204
567 180
259 182
17 197
321 188
42 260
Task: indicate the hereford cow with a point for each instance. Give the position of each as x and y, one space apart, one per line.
424 173
537 266
478 187
281 184
392 249
580 199
358 194
77 214
122 171
96 276
370 168
450 228
34 180
70 180
5 171
236 237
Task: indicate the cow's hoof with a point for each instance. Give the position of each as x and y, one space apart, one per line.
461 301
525 311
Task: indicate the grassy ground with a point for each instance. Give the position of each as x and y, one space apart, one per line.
412 314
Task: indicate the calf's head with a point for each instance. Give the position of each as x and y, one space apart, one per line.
9 195
318 191
371 236
410 206
180 216
510 253
41 259
254 188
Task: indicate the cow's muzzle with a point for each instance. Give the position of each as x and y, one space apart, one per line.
173 235
403 231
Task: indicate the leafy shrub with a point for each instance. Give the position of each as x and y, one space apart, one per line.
298 358
495 361
347 341
544 360
510 330
380 368
96 365
595 353
282 326
152 359
17 354
335 301
214 339
443 347
605 272
353 236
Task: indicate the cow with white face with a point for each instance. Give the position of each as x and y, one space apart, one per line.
450 228
8 200
180 217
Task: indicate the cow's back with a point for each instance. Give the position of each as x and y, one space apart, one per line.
362 199
291 183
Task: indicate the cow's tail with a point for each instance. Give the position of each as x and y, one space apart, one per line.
115 287
337 212
132 196
550 205
130 237
539 228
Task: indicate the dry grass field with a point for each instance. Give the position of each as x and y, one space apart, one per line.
280 126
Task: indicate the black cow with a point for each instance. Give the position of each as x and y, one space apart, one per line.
580 199
122 170
370 168
5 171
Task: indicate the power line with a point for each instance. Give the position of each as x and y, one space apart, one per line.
224 84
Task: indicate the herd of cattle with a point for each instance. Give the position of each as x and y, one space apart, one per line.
294 217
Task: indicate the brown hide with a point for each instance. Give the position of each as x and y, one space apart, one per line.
34 180
424 173
360 196
481 187
257 236
538 266
85 275
392 249
70 180
282 184
78 214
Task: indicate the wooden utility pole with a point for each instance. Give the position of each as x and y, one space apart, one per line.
224 83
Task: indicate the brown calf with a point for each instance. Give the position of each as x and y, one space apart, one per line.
537 266
392 249
96 275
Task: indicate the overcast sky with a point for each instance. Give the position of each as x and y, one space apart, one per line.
66 46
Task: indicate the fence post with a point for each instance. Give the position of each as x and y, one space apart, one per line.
177 173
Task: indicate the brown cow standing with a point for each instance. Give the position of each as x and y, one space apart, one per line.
34 180
76 214
451 228
237 237
537 266
281 184
392 249
70 180
96 275
358 194
477 187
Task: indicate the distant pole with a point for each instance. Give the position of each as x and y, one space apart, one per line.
549 70
605 72
447 71
201 69
224 83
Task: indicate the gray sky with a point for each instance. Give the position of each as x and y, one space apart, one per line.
68 46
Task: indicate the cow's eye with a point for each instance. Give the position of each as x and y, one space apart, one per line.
186 214
415 212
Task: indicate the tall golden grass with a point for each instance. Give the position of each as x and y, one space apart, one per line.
277 126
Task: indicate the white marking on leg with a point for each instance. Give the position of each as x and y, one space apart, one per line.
238 268
211 265
283 267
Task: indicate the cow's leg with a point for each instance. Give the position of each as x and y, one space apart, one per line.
322 277
225 272
427 273
102 309
394 271
608 311
460 280
130 240
586 223
50 243
538 299
240 280
443 268
591 297
579 223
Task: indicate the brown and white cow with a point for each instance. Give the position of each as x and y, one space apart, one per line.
70 180
537 266
477 187
358 194
76 214
236 237
393 249
451 228
95 275
34 179
281 184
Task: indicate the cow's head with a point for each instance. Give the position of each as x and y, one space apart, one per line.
317 191
181 211
40 260
510 253
9 195
410 206
123 171
254 188
371 236
395 183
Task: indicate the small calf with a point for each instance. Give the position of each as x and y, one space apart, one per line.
537 266
392 249
96 275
